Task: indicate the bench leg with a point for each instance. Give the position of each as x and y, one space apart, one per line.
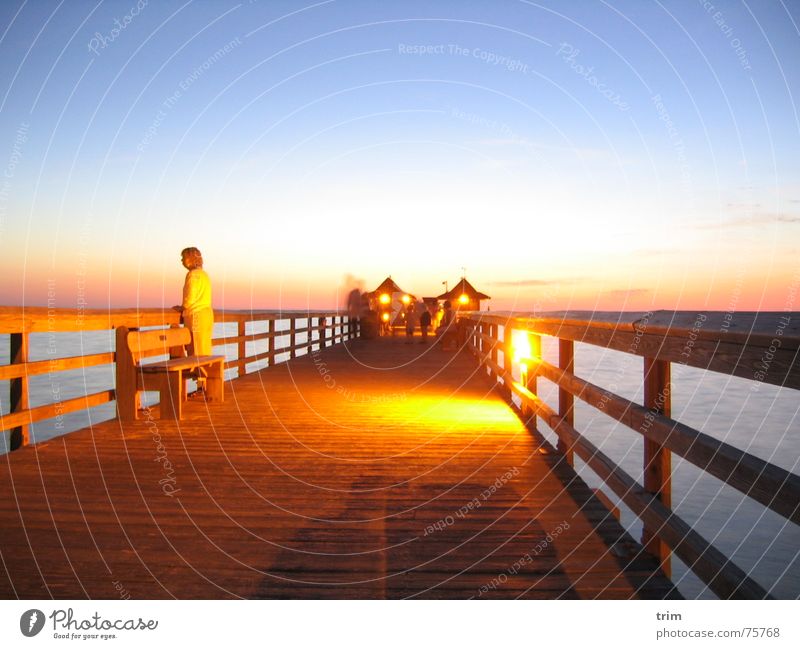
215 382
129 399
126 383
177 392
171 390
127 404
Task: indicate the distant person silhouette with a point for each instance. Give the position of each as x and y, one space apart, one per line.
354 289
447 333
353 311
424 324
411 320
196 306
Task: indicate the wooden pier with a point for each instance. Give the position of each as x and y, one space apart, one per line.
362 469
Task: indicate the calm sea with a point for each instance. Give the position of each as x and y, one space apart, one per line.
761 419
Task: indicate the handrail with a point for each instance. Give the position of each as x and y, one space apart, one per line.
735 352
763 347
322 329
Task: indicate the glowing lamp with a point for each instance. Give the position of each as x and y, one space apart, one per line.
385 317
384 298
406 299
521 345
464 299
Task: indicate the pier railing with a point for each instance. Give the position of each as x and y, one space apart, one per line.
316 328
769 355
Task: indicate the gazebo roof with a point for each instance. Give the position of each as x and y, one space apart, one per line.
463 287
388 286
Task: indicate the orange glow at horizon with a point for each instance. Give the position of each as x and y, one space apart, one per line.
103 282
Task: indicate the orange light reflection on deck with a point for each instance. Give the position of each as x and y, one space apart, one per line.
448 415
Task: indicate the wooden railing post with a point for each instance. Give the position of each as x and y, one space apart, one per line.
566 402
657 459
473 337
321 331
494 332
242 348
180 350
528 378
309 335
20 435
292 337
508 357
271 342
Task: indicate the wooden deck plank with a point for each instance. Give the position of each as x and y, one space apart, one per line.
340 474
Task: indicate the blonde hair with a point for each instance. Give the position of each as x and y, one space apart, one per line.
194 257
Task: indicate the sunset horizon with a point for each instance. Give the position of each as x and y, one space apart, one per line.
595 163
151 290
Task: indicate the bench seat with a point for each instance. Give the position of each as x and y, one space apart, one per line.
186 363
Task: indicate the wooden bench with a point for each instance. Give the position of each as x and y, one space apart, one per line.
168 377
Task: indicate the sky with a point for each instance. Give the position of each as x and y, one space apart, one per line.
564 155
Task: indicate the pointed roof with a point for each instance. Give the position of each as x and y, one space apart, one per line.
462 287
388 286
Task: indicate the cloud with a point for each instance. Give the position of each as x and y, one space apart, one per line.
747 221
740 206
654 252
584 153
495 163
626 292
534 282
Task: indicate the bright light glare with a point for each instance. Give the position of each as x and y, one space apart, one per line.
385 317
385 299
464 299
520 344
406 299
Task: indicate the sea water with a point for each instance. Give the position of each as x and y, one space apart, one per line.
763 420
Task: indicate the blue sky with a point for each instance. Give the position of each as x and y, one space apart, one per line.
625 154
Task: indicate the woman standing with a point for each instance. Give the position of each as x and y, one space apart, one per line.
196 306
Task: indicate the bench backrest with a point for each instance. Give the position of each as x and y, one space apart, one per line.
158 342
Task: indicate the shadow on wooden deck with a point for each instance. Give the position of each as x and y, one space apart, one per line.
378 469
